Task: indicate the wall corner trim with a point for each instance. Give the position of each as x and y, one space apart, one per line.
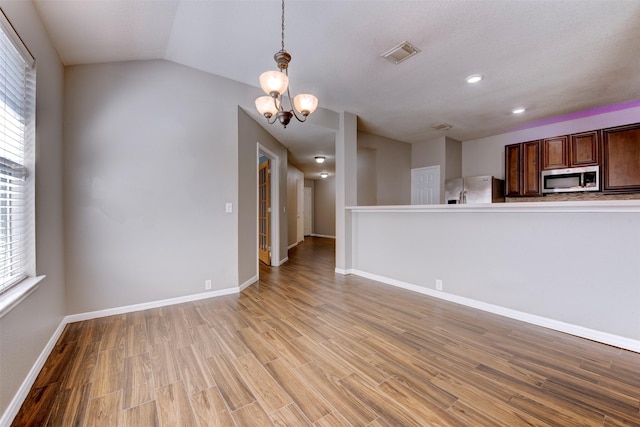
248 283
343 271
556 325
18 399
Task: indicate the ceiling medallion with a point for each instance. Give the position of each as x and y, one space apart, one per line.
275 84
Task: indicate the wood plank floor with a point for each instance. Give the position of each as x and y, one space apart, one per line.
304 346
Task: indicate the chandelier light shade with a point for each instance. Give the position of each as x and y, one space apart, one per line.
276 85
305 103
266 106
320 159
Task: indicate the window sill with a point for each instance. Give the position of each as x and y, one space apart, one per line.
18 293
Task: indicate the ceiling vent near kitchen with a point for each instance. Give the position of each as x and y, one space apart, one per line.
403 51
441 126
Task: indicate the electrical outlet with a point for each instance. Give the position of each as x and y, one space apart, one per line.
207 284
438 284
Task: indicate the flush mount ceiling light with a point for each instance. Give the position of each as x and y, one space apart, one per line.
323 175
320 159
402 52
275 84
518 110
474 78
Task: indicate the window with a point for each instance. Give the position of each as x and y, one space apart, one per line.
17 142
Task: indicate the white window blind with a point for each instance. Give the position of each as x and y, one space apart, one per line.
17 134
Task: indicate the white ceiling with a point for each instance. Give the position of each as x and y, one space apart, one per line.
554 57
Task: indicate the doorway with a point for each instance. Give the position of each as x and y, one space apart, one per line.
425 186
264 210
268 214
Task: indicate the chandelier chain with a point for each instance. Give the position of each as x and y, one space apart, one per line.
275 85
283 26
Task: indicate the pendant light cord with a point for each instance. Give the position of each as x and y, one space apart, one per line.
283 26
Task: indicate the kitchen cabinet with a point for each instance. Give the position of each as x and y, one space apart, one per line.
585 149
555 153
522 167
571 151
621 155
512 170
531 169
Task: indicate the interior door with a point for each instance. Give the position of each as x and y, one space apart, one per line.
425 186
264 212
308 208
300 210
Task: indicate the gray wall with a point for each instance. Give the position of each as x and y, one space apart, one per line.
384 170
453 158
151 152
445 152
367 188
324 207
25 330
311 183
293 176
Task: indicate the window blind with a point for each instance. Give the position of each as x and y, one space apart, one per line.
17 99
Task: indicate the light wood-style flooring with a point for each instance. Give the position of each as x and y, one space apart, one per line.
305 346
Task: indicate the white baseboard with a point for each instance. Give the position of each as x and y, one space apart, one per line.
18 399
322 235
579 331
248 283
343 271
295 244
147 305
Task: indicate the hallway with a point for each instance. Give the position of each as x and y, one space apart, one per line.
305 346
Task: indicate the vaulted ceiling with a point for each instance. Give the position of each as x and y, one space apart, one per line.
552 57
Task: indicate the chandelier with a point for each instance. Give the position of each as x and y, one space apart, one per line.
276 85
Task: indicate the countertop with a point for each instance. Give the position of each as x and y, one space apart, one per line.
574 206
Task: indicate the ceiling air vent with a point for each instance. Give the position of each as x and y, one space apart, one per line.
404 50
441 126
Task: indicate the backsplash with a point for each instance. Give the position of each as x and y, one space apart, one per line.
574 197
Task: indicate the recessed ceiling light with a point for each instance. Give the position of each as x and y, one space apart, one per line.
323 175
518 110
320 159
474 78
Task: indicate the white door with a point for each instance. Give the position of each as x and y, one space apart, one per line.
299 210
425 186
308 208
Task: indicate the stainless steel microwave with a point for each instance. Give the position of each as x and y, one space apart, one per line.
571 180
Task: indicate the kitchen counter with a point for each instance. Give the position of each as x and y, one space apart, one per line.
568 206
569 266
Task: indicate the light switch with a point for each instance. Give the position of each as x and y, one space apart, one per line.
228 207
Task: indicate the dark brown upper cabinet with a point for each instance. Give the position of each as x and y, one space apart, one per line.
621 155
555 153
531 169
512 168
570 151
585 149
522 167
